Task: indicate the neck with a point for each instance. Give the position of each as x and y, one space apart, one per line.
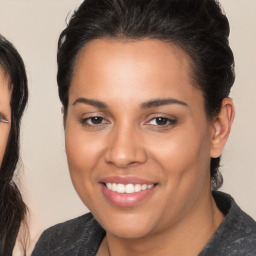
187 237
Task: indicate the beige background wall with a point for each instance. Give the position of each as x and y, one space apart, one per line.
33 26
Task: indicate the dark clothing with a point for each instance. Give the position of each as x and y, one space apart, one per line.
78 237
236 236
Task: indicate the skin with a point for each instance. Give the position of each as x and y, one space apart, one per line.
5 112
129 142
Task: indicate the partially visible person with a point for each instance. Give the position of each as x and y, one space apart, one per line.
13 99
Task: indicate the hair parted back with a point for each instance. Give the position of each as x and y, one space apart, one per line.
12 207
198 27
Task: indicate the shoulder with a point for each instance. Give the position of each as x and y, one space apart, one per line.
236 235
79 236
242 238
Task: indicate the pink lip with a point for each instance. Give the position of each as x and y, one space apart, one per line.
125 199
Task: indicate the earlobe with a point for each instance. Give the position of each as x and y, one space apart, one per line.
221 127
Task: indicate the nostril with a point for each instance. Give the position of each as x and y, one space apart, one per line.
134 163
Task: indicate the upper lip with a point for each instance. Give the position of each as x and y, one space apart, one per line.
126 180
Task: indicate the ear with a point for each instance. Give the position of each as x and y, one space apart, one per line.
221 127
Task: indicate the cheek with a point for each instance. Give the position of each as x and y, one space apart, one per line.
83 154
184 155
184 172
82 151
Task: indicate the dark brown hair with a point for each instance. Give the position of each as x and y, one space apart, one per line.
12 207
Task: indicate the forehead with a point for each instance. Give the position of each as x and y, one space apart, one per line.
139 69
144 54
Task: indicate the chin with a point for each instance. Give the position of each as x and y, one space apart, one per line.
126 226
134 232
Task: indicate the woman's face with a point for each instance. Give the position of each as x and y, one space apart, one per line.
138 141
5 113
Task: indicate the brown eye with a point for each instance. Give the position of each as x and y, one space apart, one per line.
161 121
96 120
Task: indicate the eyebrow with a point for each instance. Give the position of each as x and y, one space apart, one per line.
145 105
95 103
161 102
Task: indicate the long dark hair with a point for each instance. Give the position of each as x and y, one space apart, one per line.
12 207
198 27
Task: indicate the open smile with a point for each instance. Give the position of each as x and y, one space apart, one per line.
127 192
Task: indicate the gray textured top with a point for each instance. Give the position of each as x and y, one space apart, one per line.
82 236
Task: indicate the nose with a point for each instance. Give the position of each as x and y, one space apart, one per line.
125 148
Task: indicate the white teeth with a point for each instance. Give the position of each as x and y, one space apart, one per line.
120 188
129 188
144 186
109 186
114 187
137 188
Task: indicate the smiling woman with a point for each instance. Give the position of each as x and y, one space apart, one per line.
13 99
144 87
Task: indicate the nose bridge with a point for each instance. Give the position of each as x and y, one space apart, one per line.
125 145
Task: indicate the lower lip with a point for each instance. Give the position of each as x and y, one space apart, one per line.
126 199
